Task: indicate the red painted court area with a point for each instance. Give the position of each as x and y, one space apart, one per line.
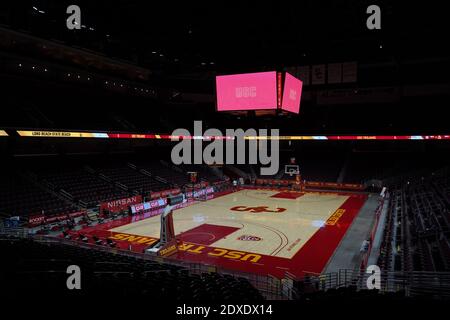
288 195
206 234
201 244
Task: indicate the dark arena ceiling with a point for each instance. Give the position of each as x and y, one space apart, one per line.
228 36
160 59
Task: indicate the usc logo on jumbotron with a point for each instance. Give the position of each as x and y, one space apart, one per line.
258 209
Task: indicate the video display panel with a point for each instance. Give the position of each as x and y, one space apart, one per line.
250 91
292 94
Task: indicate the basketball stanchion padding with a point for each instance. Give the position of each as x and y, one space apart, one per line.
167 244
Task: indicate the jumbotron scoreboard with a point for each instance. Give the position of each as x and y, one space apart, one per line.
271 91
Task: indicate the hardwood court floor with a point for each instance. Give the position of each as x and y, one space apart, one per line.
262 231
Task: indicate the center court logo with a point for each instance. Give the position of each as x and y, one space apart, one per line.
232 151
257 209
249 238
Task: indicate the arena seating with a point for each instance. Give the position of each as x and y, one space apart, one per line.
165 171
346 294
84 186
43 271
416 233
313 167
323 166
364 165
204 172
132 178
86 181
21 197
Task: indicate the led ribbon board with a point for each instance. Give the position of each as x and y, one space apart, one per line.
62 134
434 137
105 135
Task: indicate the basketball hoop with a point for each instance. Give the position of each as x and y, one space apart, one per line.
195 187
291 170
193 177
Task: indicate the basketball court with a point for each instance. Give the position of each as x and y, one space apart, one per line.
258 230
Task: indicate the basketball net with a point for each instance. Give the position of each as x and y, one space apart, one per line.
293 171
193 179
193 175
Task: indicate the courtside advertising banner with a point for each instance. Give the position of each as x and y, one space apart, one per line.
36 220
147 206
121 204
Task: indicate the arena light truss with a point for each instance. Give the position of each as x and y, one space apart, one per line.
108 135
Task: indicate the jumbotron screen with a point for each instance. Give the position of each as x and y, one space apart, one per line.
292 94
250 91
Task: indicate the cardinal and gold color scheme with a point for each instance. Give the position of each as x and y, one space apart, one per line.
255 230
